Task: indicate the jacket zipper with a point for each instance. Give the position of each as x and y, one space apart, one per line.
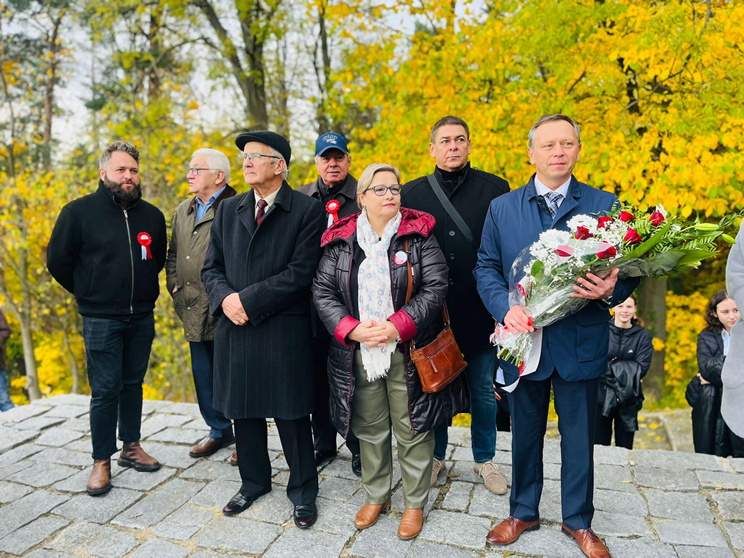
351 306
131 260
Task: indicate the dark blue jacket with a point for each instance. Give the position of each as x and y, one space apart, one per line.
575 346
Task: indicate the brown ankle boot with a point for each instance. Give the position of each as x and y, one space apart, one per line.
99 481
132 455
368 515
410 525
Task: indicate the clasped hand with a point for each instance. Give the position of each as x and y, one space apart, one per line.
233 309
374 334
594 287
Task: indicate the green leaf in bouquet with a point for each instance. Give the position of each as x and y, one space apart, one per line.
729 239
694 256
537 268
648 244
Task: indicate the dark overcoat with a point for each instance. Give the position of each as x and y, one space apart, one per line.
263 369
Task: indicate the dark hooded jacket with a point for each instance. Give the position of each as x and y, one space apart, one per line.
628 360
420 319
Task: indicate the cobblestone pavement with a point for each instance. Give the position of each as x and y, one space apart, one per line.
650 503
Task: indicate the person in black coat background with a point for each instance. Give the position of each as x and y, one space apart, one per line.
630 342
709 431
263 253
470 191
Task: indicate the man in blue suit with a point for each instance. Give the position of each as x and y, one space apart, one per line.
574 349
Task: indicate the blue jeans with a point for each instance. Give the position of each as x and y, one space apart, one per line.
6 403
202 366
483 408
117 352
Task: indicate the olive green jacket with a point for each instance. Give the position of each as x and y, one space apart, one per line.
4 336
188 247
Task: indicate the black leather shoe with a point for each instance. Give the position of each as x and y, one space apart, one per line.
239 503
323 457
305 515
356 464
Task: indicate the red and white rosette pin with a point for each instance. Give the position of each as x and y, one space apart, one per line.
332 208
145 240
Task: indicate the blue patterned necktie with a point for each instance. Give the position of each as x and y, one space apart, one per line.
554 201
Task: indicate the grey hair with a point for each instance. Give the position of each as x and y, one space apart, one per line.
365 181
449 121
544 119
120 145
216 160
275 153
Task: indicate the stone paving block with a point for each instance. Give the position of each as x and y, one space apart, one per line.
19 413
423 549
727 481
64 399
736 534
23 511
459 435
462 454
680 506
730 505
552 471
84 445
676 460
68 411
12 437
239 535
737 464
273 507
546 539
160 549
211 470
183 524
96 540
101 509
42 474
10 470
198 424
18 453
703 552
463 472
275 444
552 451
32 534
77 482
501 457
10 492
458 496
178 436
149 406
210 554
620 525
222 454
62 456
157 505
615 501
623 548
58 437
190 409
340 468
381 540
159 422
279 464
491 505
281 478
342 490
37 424
680 480
81 424
610 455
170 456
146 481
613 477
307 544
48 554
336 517
689 534
470 532
216 494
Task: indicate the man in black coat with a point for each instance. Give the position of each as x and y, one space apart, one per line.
470 192
107 249
336 189
263 253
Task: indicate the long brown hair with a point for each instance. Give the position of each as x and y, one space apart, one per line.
635 320
711 317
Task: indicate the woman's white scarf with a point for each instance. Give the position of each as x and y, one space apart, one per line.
374 283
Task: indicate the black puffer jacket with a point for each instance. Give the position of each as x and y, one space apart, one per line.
420 319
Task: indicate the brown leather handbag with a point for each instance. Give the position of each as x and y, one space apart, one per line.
440 362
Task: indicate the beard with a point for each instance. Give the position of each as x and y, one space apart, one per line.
127 196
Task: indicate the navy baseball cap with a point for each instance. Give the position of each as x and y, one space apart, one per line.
328 141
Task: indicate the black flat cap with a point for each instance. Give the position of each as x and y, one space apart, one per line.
272 139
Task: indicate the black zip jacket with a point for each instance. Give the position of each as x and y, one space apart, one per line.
94 253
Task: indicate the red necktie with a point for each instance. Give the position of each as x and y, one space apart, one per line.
261 214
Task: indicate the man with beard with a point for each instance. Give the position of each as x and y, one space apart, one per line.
107 249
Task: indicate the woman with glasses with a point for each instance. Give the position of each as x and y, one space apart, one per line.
360 292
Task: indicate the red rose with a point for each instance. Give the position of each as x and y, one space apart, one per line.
563 251
582 233
604 221
606 250
632 237
626 217
656 219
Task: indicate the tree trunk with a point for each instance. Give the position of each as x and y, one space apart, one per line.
29 359
71 362
652 309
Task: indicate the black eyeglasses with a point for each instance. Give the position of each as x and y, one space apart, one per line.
380 189
195 171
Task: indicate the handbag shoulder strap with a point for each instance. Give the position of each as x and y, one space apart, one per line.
450 209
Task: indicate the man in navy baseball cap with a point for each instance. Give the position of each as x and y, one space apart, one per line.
328 141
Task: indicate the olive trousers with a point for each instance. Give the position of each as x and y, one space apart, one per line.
376 407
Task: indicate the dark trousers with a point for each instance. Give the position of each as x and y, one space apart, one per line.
603 435
254 464
576 406
202 365
323 430
117 353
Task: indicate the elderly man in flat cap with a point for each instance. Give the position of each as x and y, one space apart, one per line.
264 249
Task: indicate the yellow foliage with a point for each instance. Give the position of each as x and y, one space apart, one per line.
685 320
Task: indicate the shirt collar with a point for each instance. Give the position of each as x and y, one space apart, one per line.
541 189
211 199
268 199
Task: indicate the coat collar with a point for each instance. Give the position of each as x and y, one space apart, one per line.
571 201
228 192
348 190
412 222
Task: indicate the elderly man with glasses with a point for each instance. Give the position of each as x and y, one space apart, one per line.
209 177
